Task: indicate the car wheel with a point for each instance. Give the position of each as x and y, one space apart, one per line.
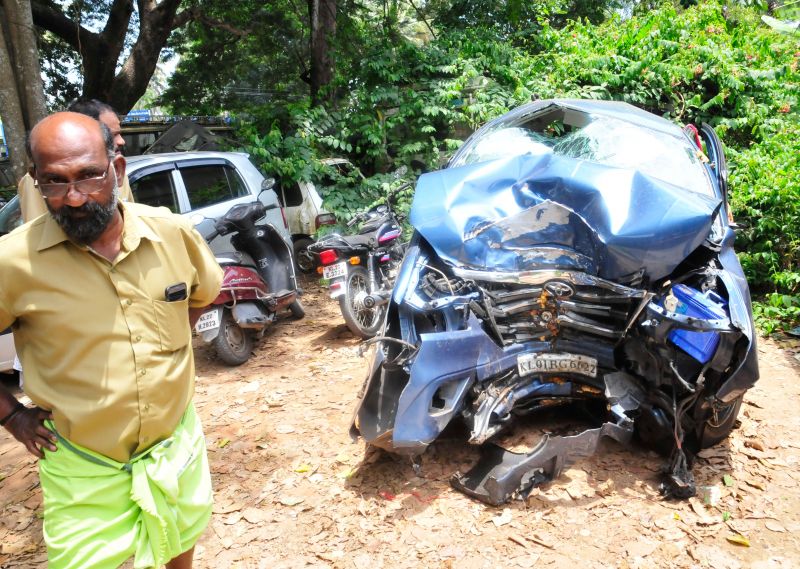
297 310
233 343
304 260
720 422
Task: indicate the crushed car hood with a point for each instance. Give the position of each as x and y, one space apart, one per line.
543 210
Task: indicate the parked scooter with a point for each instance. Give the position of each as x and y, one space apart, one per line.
259 282
361 269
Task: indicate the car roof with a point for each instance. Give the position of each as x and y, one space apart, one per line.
615 109
149 159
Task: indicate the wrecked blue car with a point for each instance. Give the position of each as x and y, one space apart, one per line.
572 253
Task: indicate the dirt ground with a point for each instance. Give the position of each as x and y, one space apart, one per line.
292 489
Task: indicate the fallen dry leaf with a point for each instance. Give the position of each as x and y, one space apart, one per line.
254 515
775 526
755 444
503 518
738 539
642 547
291 500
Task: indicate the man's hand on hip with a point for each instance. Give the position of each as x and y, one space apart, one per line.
27 427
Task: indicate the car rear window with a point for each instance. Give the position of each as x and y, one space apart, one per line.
211 184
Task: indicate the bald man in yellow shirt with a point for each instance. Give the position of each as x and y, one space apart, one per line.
102 296
31 202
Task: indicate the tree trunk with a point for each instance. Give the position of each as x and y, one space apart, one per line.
28 73
131 82
100 52
21 91
322 17
100 55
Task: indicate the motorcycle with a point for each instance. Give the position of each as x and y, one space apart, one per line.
361 269
572 254
258 283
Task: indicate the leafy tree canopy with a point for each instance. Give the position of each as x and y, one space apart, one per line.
413 78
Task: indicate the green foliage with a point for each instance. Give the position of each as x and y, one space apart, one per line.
776 311
238 56
411 99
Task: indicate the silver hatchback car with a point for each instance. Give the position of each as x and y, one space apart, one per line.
189 183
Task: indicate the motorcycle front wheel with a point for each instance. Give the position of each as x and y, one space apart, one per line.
362 321
233 344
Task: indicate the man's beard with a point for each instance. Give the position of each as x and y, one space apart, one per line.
88 228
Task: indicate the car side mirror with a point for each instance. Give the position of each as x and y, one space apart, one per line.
267 184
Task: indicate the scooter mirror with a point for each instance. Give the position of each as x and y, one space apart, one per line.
267 184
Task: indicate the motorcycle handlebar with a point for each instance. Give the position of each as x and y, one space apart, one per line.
399 189
360 216
355 219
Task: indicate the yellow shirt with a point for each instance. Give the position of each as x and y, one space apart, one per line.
32 205
100 345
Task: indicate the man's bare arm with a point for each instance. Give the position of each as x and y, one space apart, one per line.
26 424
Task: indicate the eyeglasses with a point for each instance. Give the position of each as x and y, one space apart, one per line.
86 186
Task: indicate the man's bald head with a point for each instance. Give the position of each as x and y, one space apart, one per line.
73 156
68 133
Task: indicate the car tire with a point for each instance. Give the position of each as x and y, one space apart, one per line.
719 424
297 310
304 261
233 344
362 322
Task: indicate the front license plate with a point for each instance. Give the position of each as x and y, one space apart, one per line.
556 363
208 321
334 271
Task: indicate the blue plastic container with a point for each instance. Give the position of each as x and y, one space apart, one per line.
706 306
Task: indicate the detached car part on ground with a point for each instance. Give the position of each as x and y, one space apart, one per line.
573 253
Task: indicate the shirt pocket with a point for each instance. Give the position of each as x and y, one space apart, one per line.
173 324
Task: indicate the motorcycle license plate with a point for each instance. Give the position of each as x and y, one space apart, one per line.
556 363
208 321
334 271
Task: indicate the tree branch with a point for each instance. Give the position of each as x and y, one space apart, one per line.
195 14
155 24
421 16
119 16
185 16
211 22
56 22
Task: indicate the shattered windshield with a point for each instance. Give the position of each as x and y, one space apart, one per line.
603 139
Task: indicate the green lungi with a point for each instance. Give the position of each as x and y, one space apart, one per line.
99 512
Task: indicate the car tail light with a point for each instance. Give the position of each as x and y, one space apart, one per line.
325 219
328 256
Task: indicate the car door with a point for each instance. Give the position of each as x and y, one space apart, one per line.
298 207
157 186
10 216
212 186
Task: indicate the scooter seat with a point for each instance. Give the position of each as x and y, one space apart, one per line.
233 258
